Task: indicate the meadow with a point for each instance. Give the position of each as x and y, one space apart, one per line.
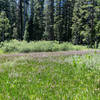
74 77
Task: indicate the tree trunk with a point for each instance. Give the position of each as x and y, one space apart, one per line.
21 20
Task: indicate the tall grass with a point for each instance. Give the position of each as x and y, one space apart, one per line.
53 78
39 46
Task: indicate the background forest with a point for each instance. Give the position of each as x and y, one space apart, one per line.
76 21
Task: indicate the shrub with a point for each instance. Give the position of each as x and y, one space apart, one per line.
37 46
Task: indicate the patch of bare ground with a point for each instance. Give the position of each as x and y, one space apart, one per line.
48 54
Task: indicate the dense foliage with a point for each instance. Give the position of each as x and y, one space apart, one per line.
76 21
40 46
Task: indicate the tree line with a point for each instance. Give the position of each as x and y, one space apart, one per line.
76 21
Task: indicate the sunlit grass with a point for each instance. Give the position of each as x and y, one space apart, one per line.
1 51
52 78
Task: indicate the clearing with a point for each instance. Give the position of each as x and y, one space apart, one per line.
71 75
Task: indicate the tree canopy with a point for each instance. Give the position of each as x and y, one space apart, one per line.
76 21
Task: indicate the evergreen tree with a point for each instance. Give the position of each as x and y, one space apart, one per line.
67 19
4 27
21 18
26 34
38 19
13 19
49 20
97 24
35 22
77 24
58 26
83 23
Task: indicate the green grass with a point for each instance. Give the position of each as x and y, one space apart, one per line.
38 46
1 51
52 78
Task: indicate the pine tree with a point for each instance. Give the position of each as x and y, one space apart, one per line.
26 34
76 22
97 24
84 21
67 19
4 27
58 21
38 19
21 17
13 19
49 20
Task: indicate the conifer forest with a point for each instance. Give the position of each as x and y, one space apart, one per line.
75 21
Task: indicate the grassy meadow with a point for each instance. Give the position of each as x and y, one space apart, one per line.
52 78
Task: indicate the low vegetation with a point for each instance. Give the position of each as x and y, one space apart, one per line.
39 46
52 78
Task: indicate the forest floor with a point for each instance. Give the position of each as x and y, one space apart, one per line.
48 54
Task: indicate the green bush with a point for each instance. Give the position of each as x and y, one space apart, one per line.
37 46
